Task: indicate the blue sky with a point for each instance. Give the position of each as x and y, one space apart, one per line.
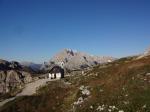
34 30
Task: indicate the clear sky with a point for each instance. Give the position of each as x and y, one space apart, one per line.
34 30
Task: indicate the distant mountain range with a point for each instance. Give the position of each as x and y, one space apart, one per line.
33 66
71 59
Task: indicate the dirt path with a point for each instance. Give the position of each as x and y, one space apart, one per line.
29 89
32 87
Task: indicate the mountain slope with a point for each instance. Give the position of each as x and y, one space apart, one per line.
146 53
78 60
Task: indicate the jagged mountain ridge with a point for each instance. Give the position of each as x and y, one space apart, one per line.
73 59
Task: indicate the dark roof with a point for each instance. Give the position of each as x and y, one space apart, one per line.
56 69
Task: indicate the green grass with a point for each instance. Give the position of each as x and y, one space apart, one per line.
5 96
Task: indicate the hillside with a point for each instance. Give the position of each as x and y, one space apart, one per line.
120 86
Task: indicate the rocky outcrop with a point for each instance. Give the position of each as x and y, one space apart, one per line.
12 81
12 77
146 53
14 65
26 77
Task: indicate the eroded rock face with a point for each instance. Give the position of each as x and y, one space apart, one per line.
12 77
26 77
12 80
2 76
72 60
2 87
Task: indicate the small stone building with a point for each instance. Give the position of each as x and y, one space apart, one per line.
56 73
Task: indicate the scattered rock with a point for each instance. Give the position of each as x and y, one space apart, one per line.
79 101
148 74
91 107
85 92
144 106
81 87
100 108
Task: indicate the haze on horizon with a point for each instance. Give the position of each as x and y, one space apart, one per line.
34 30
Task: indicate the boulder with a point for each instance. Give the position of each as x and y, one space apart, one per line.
13 77
26 77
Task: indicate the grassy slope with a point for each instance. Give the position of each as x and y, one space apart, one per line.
123 84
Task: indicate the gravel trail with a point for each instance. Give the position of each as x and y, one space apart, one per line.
29 89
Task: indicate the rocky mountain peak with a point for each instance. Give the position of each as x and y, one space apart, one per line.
69 52
73 59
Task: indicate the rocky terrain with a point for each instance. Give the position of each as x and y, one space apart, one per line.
73 60
146 53
14 75
12 78
119 86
